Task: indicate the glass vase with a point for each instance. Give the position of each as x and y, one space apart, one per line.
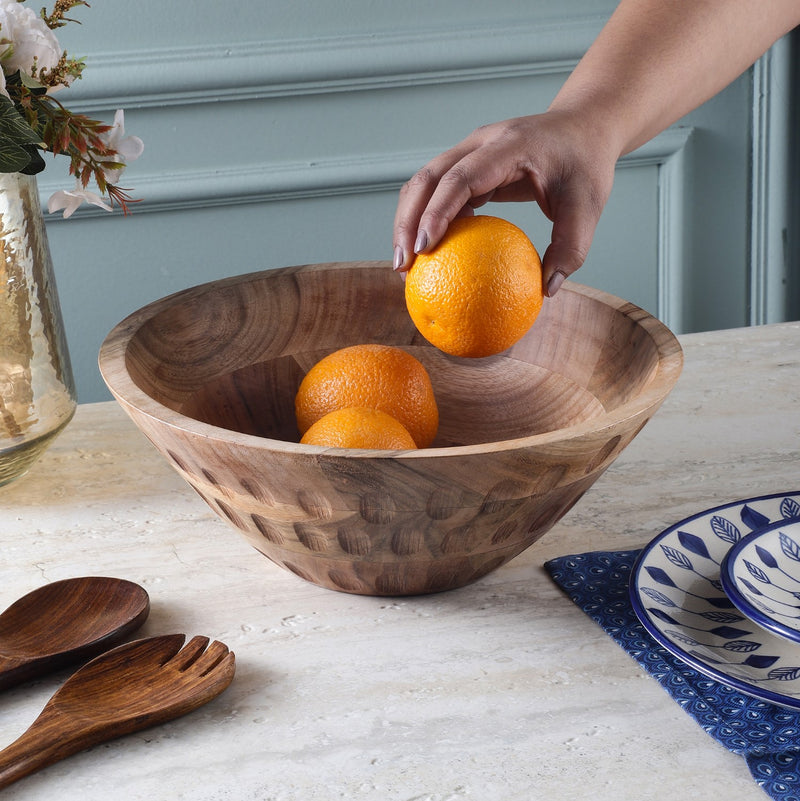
37 389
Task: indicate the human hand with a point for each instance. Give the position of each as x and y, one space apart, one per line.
555 159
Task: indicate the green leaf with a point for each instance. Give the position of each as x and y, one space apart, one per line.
36 163
12 157
16 137
31 83
13 125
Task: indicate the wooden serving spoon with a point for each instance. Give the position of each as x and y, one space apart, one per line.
132 687
67 621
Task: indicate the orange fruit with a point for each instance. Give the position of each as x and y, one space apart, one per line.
359 427
479 290
379 377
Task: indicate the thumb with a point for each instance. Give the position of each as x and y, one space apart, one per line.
574 222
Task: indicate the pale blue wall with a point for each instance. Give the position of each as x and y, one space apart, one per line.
279 132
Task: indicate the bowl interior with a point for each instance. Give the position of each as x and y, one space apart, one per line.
232 353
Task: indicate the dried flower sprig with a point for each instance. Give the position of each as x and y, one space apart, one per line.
56 18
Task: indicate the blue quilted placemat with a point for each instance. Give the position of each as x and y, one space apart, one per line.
767 736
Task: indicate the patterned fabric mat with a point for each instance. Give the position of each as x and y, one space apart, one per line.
767 736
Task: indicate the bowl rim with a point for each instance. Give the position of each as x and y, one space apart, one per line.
131 397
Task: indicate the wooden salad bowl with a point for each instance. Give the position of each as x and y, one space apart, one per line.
209 375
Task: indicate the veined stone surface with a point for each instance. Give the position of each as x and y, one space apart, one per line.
500 690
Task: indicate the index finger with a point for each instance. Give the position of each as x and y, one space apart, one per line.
415 195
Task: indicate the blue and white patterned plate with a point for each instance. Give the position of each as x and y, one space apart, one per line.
677 595
761 575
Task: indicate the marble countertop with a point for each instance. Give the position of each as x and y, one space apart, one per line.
501 690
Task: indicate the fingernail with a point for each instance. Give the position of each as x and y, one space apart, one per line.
554 284
422 242
399 258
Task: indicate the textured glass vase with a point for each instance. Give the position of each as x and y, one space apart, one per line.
37 390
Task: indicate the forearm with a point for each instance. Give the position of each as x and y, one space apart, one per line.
656 60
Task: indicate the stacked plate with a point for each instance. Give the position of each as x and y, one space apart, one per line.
721 591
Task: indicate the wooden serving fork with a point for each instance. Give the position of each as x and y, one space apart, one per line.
132 687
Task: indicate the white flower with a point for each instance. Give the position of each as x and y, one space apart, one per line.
128 148
70 199
33 44
3 82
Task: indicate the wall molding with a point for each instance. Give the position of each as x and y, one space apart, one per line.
672 245
275 69
167 77
270 182
279 68
667 152
659 149
771 185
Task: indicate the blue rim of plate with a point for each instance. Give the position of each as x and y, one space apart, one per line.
676 593
731 585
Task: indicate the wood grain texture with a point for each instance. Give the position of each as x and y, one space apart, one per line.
67 621
132 687
209 375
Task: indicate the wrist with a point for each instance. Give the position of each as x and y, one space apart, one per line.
592 126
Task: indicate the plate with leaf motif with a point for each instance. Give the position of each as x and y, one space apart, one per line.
761 575
677 594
